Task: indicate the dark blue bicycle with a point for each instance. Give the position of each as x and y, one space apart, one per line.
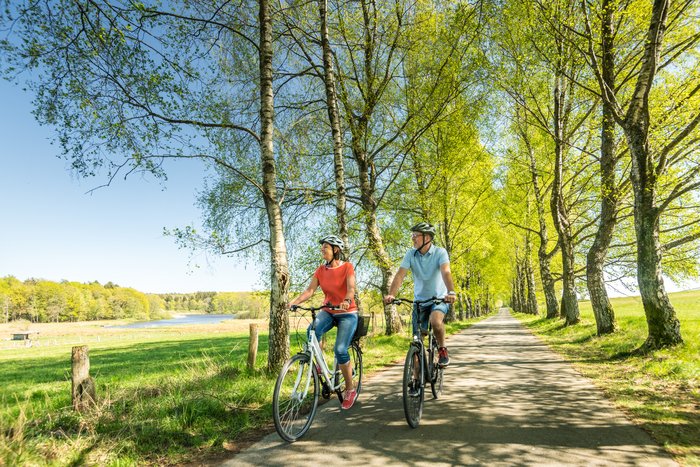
421 367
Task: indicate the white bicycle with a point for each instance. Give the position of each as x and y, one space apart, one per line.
306 375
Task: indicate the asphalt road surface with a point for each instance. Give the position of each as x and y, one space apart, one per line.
507 400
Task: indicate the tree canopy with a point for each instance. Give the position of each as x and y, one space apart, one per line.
554 144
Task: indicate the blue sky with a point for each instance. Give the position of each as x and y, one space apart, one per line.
53 229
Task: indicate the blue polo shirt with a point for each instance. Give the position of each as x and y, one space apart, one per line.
427 280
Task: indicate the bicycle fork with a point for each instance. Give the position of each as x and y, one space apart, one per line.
422 362
302 382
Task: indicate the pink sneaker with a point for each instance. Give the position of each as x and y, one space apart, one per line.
349 400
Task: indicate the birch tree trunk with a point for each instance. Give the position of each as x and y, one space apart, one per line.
530 278
376 244
371 87
279 269
569 303
595 259
334 118
664 327
544 258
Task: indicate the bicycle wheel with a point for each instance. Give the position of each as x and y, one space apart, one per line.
295 398
356 359
356 365
435 370
413 403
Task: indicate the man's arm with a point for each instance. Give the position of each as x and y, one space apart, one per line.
395 284
446 273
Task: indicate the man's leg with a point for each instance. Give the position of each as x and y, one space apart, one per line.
437 318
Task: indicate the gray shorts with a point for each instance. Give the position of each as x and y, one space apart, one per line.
422 318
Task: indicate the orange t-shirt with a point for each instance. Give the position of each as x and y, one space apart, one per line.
334 283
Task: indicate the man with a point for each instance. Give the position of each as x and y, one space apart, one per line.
432 277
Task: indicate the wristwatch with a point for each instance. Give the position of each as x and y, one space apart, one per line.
451 292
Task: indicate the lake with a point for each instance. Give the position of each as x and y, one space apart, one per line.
179 320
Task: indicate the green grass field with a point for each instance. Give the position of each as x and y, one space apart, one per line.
659 391
160 399
168 396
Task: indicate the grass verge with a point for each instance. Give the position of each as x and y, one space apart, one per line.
660 391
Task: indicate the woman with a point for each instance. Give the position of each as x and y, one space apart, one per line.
337 280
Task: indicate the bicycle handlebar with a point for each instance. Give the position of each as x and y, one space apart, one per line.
322 307
436 300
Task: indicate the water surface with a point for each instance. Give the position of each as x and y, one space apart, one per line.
178 321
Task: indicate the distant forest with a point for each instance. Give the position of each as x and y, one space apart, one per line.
43 301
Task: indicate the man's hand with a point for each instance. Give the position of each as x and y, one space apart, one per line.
450 298
388 299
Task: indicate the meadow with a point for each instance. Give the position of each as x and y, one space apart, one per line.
166 396
660 391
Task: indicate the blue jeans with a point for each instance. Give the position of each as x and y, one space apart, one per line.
422 318
347 323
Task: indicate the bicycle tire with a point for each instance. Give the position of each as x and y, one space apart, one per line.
294 412
436 371
356 365
412 405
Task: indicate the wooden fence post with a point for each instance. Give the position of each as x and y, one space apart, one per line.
82 387
253 345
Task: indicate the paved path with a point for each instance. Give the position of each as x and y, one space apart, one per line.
508 400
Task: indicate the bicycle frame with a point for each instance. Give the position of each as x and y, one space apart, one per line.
423 347
312 347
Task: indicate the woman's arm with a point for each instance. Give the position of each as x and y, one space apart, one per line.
306 294
350 293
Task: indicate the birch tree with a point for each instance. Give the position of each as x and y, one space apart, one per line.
129 86
662 137
375 41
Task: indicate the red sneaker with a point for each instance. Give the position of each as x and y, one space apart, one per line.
349 400
444 357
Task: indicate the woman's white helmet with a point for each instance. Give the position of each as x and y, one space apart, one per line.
333 240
